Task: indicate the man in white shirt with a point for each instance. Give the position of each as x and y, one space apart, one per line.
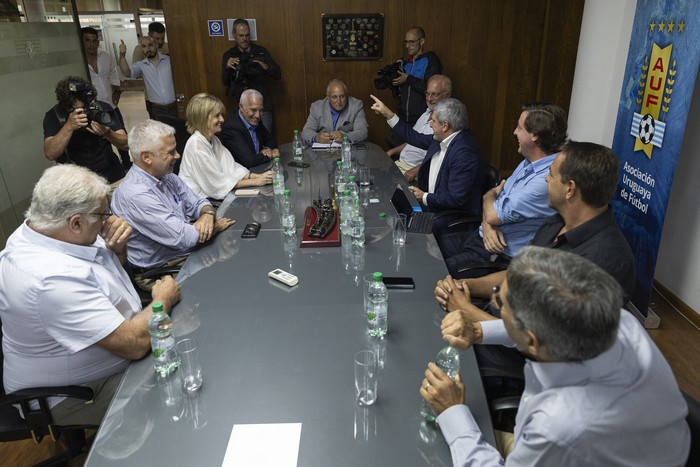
593 377
103 69
70 314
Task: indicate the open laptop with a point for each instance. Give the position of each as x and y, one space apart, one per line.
417 220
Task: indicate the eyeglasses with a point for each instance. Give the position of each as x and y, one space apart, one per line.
104 215
434 94
410 41
338 98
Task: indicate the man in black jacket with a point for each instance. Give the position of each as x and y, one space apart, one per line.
249 142
247 66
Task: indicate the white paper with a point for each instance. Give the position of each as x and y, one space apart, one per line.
263 445
325 145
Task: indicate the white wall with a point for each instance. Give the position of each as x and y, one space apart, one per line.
600 67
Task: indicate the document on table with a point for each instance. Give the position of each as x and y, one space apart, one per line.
332 145
263 445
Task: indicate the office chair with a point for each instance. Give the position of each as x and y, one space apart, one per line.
181 136
38 423
693 420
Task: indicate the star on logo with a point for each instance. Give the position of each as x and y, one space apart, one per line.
652 26
681 26
670 25
662 25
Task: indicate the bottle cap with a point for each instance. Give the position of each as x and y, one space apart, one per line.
346 192
377 276
157 307
286 192
352 178
339 162
277 159
296 132
382 214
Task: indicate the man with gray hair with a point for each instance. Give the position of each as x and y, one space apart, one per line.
590 368
452 172
159 205
244 135
70 314
335 116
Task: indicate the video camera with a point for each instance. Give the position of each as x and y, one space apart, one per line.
92 108
247 67
387 74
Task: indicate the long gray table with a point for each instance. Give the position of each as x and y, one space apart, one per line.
273 354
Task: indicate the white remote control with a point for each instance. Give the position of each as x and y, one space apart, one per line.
284 277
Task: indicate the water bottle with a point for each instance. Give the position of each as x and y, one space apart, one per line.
352 186
289 222
160 327
346 153
357 224
297 146
448 360
346 206
340 180
377 306
277 177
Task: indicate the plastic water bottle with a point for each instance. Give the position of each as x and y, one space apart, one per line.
346 153
448 360
377 307
357 224
346 206
340 180
277 177
297 146
352 186
160 327
289 222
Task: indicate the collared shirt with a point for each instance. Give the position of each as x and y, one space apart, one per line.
335 114
251 130
159 212
436 164
410 154
105 77
603 411
57 300
157 79
522 205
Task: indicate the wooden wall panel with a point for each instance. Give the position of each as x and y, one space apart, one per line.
500 54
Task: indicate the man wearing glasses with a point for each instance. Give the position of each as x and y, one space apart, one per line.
243 134
593 377
413 82
70 314
335 116
411 157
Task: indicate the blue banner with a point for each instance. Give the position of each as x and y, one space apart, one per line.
662 64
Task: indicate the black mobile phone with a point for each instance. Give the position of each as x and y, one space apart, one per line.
251 230
399 282
301 165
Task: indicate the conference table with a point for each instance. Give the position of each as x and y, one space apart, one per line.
274 355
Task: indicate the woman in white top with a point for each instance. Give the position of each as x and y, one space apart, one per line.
207 166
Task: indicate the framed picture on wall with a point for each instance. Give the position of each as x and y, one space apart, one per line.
353 37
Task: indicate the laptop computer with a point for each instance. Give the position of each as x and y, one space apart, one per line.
417 220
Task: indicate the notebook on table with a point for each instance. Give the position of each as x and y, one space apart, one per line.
417 220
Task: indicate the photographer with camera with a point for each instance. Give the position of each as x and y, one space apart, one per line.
246 66
412 81
81 130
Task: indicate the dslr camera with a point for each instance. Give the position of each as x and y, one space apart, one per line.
92 108
387 74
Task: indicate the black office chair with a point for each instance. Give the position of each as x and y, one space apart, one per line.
181 135
470 222
693 420
38 423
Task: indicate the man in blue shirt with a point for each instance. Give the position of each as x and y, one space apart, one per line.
515 209
592 378
159 205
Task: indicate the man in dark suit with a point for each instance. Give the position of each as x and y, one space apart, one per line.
243 134
452 173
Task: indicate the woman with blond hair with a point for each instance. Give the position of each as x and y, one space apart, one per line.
207 166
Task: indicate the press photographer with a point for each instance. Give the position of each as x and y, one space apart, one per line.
247 66
81 130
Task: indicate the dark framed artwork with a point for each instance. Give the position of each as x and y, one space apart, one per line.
353 37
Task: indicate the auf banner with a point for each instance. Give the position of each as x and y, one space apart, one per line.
662 64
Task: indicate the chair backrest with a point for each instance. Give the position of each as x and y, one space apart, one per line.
181 135
491 178
693 420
